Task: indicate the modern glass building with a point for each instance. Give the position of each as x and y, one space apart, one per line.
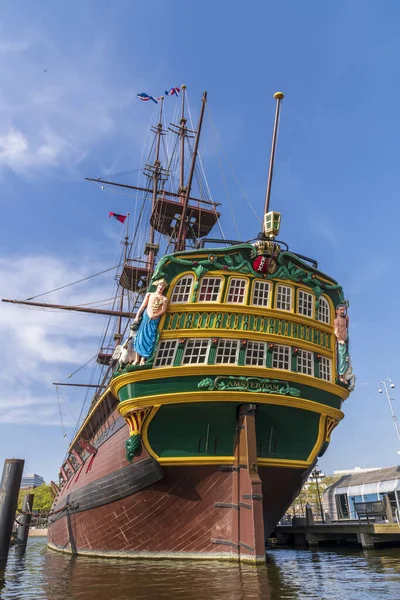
32 480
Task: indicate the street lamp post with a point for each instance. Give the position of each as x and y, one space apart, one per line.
315 474
384 384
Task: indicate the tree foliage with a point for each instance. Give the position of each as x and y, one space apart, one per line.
309 495
43 498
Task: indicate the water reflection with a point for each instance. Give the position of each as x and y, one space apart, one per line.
288 575
105 579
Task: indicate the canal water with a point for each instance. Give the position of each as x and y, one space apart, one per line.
289 574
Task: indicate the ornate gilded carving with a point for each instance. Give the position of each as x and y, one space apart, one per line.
267 248
135 421
225 262
329 427
248 384
133 445
299 275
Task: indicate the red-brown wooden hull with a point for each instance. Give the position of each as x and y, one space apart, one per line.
192 511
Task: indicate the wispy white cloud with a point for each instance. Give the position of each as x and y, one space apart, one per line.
367 270
42 346
320 225
8 47
53 111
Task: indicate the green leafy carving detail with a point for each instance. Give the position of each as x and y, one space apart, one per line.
201 267
239 262
248 384
299 275
133 445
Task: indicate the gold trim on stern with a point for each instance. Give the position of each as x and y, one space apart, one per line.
127 406
205 370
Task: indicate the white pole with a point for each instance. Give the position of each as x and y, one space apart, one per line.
384 384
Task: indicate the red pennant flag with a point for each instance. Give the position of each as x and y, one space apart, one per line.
120 218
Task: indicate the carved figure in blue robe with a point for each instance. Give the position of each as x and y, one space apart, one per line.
153 306
341 325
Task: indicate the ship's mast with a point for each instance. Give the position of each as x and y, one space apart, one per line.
180 243
158 175
155 173
182 131
118 332
268 228
182 135
164 214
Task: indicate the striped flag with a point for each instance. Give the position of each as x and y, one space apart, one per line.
174 91
146 97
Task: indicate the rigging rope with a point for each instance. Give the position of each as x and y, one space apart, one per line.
216 135
98 302
59 408
74 282
66 404
104 373
108 175
228 196
204 177
82 367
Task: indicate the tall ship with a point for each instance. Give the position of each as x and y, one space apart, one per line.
224 376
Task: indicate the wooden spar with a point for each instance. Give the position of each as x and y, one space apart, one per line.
88 385
278 97
181 241
97 311
140 189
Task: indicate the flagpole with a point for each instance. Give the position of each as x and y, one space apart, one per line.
278 97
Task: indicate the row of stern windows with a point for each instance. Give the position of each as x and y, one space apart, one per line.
242 352
211 289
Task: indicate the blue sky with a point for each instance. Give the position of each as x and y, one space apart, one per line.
70 73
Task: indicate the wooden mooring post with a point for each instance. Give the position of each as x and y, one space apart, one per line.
25 520
9 488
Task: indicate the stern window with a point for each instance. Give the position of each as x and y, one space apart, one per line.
196 352
227 351
182 289
236 291
284 297
305 304
324 313
209 289
261 293
305 362
255 352
281 357
166 353
325 368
